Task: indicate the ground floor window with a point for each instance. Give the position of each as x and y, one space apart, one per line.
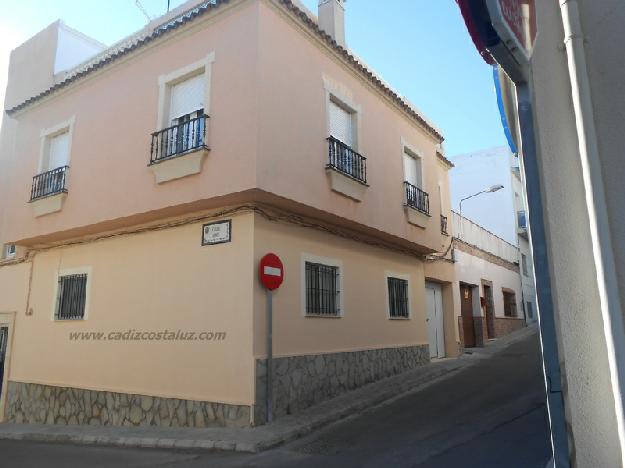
509 304
397 297
322 289
71 297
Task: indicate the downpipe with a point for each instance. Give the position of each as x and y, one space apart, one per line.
611 309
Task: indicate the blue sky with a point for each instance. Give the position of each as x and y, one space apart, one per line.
420 47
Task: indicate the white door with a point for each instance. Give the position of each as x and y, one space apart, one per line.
436 336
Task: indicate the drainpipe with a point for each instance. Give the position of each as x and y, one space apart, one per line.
611 309
546 319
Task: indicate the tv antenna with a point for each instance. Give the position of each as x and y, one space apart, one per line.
145 13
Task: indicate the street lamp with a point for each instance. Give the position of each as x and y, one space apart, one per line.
492 188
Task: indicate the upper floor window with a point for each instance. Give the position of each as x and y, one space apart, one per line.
57 151
524 264
9 251
182 118
413 169
186 100
341 123
521 219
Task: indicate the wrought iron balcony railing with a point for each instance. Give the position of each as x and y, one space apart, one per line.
417 198
179 139
347 161
49 183
444 225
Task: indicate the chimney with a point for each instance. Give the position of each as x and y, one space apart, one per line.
332 19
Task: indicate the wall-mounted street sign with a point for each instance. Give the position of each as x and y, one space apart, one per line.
271 271
217 232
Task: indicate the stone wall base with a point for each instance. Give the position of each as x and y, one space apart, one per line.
303 381
506 325
45 404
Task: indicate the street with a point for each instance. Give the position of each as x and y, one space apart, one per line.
491 414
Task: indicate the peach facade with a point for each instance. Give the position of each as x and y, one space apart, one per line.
135 228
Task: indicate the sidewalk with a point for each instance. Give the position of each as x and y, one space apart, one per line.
261 438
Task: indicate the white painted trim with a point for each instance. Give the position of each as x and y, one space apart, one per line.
7 319
72 271
203 66
306 257
47 133
343 96
402 276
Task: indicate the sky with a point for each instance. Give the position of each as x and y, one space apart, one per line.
420 47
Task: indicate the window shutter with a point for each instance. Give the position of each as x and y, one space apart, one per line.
59 151
341 124
412 170
187 97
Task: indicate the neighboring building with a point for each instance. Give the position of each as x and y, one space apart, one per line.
568 102
504 212
141 188
489 283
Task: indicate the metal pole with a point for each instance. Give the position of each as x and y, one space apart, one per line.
269 356
546 318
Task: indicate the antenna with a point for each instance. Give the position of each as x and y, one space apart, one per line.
145 13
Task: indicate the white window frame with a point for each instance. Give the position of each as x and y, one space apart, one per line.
166 81
47 134
66 272
341 96
6 253
402 276
414 152
333 262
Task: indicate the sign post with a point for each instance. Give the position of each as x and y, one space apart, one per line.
271 275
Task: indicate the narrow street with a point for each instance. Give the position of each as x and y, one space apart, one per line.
489 415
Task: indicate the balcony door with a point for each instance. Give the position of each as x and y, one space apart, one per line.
58 155
412 170
185 109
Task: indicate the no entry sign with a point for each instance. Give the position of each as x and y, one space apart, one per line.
271 271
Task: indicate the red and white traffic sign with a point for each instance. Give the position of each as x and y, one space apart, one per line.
271 271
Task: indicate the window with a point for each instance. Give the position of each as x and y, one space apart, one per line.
521 219
509 304
58 151
186 111
322 290
71 297
412 169
530 310
341 123
183 111
524 264
397 297
9 250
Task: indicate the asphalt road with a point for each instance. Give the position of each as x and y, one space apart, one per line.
489 415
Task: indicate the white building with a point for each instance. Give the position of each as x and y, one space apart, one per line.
503 212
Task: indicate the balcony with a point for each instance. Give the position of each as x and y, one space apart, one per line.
347 170
49 190
417 205
444 225
417 198
179 150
